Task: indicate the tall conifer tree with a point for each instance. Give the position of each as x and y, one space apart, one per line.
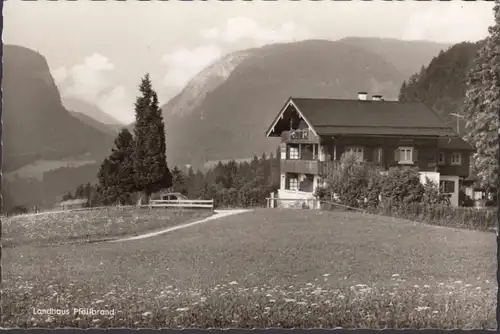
150 161
481 105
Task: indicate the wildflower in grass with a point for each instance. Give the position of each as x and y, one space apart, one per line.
422 308
426 286
232 283
182 309
395 275
289 300
326 275
458 282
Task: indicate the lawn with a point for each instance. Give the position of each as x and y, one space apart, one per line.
265 268
91 226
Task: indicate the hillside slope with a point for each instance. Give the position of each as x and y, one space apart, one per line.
407 56
111 129
90 110
47 151
229 121
36 124
441 84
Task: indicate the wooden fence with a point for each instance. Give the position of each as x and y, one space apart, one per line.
185 204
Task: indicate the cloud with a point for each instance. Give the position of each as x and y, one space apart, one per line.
245 29
92 81
424 24
185 63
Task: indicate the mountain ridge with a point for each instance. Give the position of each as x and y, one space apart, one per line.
259 86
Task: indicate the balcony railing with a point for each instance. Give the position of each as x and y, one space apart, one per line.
299 136
300 166
327 167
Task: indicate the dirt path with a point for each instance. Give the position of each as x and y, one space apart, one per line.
218 214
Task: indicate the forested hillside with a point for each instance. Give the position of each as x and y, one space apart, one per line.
441 84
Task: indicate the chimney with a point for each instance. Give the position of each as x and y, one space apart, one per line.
362 96
377 98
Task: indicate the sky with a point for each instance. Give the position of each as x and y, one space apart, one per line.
98 51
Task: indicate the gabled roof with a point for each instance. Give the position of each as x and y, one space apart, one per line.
367 117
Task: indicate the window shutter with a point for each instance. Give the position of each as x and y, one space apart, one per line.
397 155
415 155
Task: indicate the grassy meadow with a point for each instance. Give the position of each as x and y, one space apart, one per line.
264 268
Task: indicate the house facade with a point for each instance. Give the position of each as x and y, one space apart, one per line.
315 133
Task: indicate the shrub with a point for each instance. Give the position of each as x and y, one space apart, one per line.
402 186
354 183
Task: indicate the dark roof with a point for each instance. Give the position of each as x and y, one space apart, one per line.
454 144
337 116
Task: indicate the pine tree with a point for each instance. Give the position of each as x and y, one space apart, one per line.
122 158
105 183
481 105
116 174
80 192
179 181
402 92
150 160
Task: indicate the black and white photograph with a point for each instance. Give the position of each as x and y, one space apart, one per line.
250 164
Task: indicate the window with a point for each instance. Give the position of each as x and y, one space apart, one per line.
405 155
283 151
307 152
357 151
441 158
456 158
293 184
292 181
307 183
377 155
447 187
293 152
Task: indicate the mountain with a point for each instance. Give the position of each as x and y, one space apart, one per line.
111 129
406 56
205 82
90 110
36 124
227 117
39 134
441 84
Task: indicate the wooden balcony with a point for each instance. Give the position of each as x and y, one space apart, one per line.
300 166
326 167
299 136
